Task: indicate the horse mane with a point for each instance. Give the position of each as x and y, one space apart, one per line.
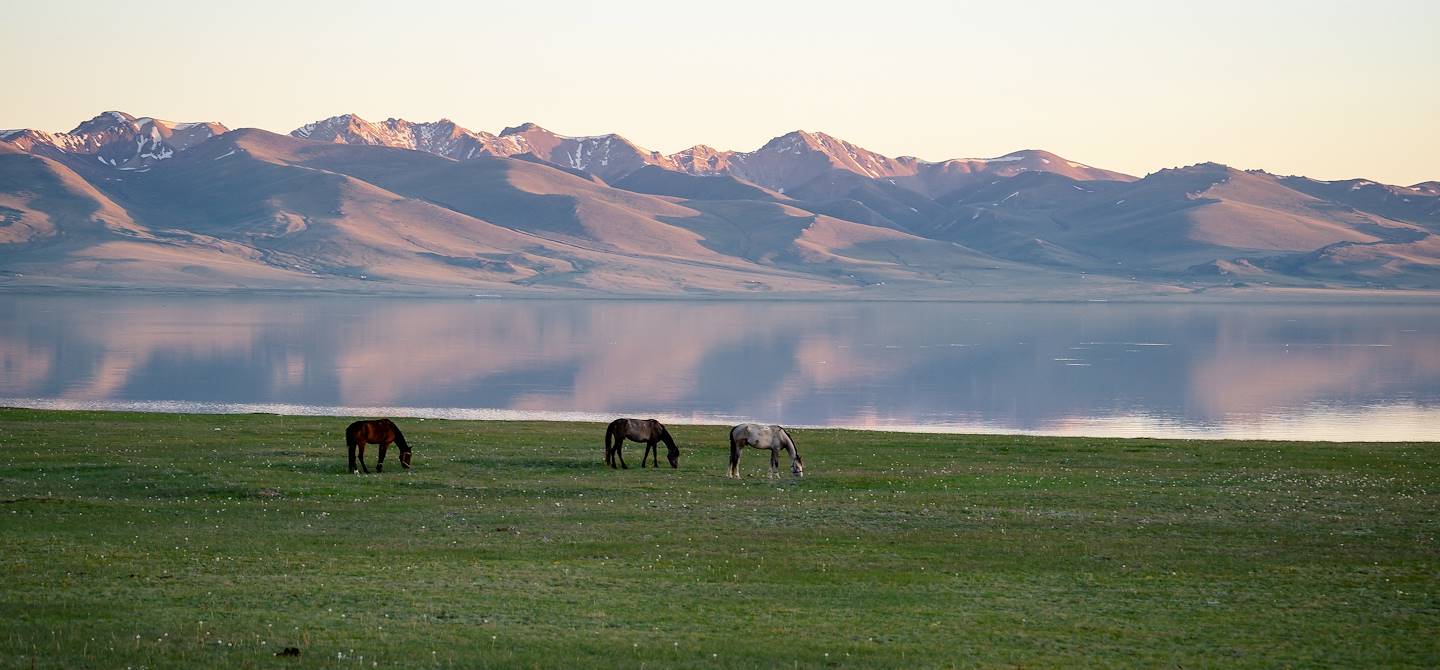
795 446
399 436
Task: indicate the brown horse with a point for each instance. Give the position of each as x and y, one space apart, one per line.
381 432
648 431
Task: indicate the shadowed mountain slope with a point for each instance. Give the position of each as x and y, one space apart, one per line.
656 180
1165 223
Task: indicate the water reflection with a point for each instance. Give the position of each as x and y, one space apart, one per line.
1325 372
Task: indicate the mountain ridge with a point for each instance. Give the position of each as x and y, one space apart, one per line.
594 153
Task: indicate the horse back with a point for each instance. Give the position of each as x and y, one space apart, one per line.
639 430
750 435
759 436
377 431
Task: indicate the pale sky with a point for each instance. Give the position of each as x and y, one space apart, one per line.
1323 88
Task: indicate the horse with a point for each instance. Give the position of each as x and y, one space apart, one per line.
757 436
648 431
381 432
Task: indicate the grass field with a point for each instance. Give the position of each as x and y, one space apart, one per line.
154 540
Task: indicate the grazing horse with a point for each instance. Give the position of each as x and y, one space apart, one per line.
381 432
757 436
648 431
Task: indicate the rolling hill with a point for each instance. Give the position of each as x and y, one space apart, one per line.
347 204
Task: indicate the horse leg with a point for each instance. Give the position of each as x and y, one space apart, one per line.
362 459
353 469
774 463
619 451
649 446
380 464
734 472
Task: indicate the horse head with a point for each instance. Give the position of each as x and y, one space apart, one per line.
404 449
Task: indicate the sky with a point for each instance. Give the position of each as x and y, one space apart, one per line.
1331 90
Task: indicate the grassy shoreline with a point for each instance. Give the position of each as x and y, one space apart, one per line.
181 540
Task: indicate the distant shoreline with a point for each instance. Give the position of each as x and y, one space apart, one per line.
1216 296
178 409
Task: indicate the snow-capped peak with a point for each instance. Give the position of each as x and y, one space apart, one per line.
122 140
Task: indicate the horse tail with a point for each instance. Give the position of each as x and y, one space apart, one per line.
610 432
350 439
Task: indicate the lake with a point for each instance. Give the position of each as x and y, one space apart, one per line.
1328 372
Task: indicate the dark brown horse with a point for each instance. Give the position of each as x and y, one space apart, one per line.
648 431
381 432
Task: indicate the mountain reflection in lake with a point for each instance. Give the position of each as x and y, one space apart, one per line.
1280 371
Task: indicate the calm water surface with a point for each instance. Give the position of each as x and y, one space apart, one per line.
1306 372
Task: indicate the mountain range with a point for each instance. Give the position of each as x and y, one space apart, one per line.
348 204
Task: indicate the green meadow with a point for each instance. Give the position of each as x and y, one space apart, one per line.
182 541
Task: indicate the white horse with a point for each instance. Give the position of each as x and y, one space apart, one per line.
757 436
